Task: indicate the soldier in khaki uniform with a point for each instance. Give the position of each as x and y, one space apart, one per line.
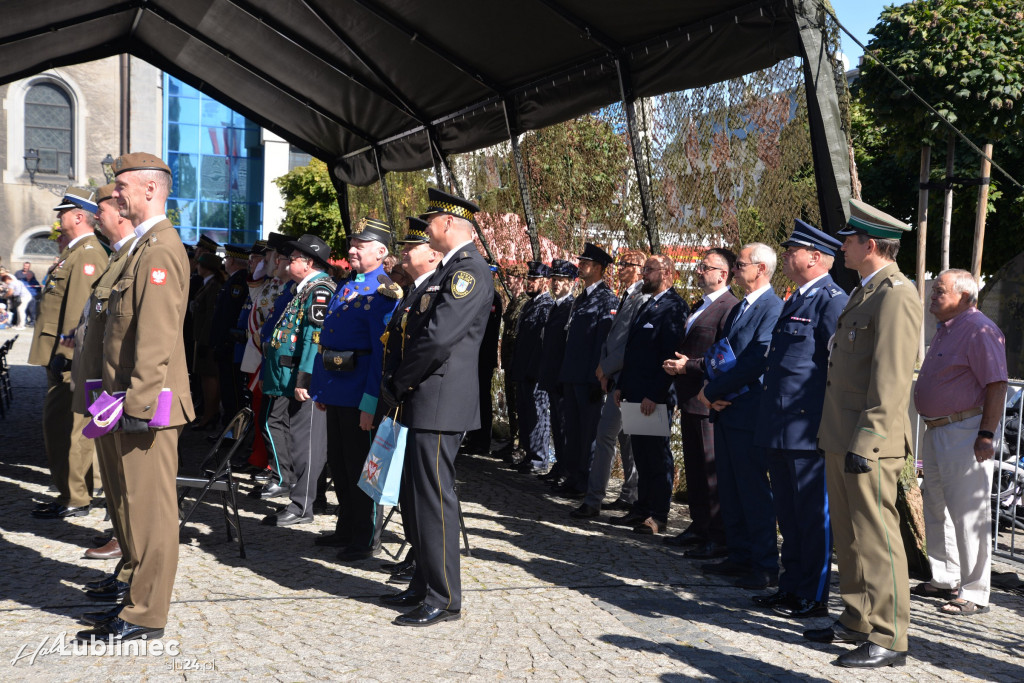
865 435
68 454
144 353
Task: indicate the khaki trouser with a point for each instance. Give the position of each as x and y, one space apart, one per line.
106 453
69 455
148 468
873 580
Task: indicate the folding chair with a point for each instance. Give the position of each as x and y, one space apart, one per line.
462 525
217 475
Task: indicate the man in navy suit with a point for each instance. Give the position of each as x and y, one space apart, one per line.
704 326
589 322
563 275
532 401
654 335
794 392
735 398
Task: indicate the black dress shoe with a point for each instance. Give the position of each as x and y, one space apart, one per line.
115 592
46 506
709 551
333 541
425 615
285 518
628 519
399 567
871 656
62 512
619 504
263 477
585 511
685 539
551 475
403 576
274 489
406 598
94 618
566 491
835 632
801 608
354 554
773 599
757 580
100 584
725 568
118 630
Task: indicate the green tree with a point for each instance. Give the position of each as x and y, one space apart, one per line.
311 204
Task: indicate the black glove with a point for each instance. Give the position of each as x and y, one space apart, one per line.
59 364
134 425
855 464
596 395
387 400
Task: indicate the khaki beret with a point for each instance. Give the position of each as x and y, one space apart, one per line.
139 161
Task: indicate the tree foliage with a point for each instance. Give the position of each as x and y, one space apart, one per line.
311 204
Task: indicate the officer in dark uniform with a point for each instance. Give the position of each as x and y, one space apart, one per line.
233 296
589 322
346 379
563 275
534 427
514 277
479 440
205 245
787 426
435 386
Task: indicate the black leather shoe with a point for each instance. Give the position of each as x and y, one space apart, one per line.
628 519
619 504
350 554
685 539
585 511
757 580
773 599
114 592
62 512
708 551
403 576
725 568
46 506
835 632
425 615
566 491
118 630
94 618
274 489
801 608
406 598
333 541
263 477
100 584
871 656
285 518
399 567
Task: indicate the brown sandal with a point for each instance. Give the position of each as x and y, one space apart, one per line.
927 590
962 608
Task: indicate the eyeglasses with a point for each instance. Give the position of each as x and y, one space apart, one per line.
703 268
741 265
626 264
651 269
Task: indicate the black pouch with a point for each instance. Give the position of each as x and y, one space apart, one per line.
339 361
287 361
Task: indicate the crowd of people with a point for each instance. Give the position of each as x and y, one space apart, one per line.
793 414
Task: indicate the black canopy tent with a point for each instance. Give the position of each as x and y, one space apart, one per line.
372 86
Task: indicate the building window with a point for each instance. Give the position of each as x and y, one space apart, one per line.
40 246
49 129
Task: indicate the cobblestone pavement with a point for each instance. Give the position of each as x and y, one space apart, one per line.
545 597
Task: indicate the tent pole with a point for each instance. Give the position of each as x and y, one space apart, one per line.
628 103
384 195
524 190
341 192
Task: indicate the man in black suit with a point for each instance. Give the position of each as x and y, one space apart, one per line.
704 326
654 334
563 275
435 385
232 297
479 440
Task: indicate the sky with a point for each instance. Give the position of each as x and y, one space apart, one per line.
858 16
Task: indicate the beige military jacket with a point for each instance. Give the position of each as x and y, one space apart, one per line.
60 304
871 367
143 345
88 363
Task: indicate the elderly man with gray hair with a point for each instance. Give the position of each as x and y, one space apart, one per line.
959 394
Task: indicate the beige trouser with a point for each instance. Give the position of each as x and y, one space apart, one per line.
873 580
957 495
106 453
148 468
69 455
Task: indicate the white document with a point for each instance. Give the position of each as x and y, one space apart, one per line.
635 422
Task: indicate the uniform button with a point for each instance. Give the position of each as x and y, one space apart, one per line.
828 383
802 412
875 450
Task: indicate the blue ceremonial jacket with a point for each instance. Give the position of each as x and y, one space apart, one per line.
356 318
591 318
796 368
530 338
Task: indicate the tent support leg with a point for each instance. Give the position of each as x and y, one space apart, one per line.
384 195
524 189
628 103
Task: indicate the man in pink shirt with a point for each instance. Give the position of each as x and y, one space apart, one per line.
960 394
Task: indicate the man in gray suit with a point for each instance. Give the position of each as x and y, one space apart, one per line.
609 428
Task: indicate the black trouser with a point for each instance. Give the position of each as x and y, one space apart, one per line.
430 474
481 438
229 376
359 517
655 470
698 436
274 421
308 428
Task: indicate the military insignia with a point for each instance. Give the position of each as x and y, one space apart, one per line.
318 311
853 335
88 269
99 306
158 276
433 288
462 284
424 302
294 339
316 337
236 292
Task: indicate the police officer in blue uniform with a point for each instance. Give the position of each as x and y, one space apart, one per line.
435 386
346 379
534 429
563 276
582 397
232 297
791 402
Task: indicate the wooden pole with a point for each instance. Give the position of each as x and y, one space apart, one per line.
947 207
922 231
979 222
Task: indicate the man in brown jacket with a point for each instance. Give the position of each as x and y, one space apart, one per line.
68 454
143 354
865 435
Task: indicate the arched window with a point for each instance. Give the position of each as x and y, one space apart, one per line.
49 128
40 246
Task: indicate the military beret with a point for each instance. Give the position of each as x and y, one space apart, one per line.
78 198
239 251
104 193
207 243
806 235
867 220
439 202
417 232
313 247
211 261
139 161
562 268
537 269
372 230
592 252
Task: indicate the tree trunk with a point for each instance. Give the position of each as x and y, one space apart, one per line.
911 508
